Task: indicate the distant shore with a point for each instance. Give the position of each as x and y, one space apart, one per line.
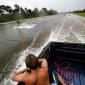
81 14
15 21
3 23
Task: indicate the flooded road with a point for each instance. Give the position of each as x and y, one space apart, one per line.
30 36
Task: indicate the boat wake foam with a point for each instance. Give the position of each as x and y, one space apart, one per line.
25 26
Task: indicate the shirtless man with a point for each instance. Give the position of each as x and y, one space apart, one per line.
36 72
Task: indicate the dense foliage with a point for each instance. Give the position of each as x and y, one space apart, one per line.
7 13
79 11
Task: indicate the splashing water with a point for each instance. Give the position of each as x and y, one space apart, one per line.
25 26
20 64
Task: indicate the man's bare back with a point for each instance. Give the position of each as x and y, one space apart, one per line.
37 76
43 76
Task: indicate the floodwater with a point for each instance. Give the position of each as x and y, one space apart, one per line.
31 36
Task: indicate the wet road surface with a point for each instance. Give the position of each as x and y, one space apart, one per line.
16 41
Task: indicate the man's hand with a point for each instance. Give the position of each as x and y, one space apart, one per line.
61 80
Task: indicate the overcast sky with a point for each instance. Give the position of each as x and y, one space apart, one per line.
59 5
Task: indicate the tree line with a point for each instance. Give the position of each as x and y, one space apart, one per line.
79 11
7 13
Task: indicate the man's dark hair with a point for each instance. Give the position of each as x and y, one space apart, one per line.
31 61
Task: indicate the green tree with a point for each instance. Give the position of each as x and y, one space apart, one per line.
17 12
52 12
43 12
5 13
35 12
2 9
29 13
16 8
8 9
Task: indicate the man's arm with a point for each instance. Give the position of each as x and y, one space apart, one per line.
22 71
61 80
19 76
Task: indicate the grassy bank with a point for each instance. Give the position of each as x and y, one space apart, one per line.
81 14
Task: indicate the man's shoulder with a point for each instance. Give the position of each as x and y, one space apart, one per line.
44 64
43 61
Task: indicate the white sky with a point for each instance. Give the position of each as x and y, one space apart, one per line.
59 5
